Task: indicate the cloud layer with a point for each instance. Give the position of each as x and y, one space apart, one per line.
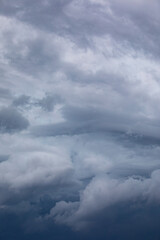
79 119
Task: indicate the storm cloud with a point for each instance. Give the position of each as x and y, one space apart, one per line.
79 119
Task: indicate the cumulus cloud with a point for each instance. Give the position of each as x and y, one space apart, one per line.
32 169
103 192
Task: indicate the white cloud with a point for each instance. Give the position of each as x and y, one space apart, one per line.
103 192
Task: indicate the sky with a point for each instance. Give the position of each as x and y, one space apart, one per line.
79 119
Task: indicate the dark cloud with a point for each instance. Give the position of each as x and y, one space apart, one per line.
80 120
21 100
12 121
4 158
5 93
82 79
49 101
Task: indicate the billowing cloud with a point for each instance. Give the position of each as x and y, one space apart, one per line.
79 119
103 193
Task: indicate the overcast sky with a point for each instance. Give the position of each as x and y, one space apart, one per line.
79 119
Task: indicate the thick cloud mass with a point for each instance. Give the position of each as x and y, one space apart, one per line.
79 119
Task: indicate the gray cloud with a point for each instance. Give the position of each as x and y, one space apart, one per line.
5 93
82 79
4 158
21 100
80 120
49 101
11 120
102 193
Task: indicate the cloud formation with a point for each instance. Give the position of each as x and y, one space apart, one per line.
102 193
11 120
79 118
